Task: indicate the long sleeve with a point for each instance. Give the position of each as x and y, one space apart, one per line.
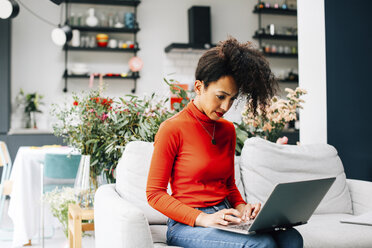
166 146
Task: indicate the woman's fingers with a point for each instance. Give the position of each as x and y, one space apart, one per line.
247 212
230 215
257 208
231 211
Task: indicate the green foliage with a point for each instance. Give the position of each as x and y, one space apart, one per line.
101 126
30 102
58 200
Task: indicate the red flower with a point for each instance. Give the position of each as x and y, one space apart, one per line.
75 103
104 101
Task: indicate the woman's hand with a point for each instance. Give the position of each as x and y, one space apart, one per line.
248 211
222 217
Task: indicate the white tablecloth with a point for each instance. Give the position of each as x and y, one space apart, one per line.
24 206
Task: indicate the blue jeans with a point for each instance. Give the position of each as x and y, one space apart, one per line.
179 234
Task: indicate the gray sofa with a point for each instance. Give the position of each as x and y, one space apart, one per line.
124 219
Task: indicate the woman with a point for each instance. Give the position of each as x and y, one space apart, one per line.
194 151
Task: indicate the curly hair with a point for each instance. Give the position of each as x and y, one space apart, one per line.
248 67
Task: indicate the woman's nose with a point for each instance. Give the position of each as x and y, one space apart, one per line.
225 106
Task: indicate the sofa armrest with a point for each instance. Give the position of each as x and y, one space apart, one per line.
361 195
117 222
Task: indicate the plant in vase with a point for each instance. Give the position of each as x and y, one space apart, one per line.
31 103
269 123
59 200
101 127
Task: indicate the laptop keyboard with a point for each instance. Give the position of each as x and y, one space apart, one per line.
242 226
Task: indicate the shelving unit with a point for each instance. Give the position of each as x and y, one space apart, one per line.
131 3
281 55
261 35
113 76
107 2
106 29
275 37
275 11
186 47
102 49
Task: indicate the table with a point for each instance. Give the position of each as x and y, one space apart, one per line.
25 199
75 226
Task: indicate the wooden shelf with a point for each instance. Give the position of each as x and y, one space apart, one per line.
106 29
102 49
281 55
275 37
186 47
107 2
274 11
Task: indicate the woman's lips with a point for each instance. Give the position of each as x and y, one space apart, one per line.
219 114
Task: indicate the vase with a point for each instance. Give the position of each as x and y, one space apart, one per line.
92 20
30 119
85 183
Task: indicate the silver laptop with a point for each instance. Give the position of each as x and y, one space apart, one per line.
289 204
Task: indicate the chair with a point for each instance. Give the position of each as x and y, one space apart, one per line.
5 183
58 170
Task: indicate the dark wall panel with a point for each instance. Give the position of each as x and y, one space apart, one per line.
4 75
349 83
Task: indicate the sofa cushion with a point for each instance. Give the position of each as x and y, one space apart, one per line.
326 231
264 164
238 179
131 178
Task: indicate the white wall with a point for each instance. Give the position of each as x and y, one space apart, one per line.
37 64
312 71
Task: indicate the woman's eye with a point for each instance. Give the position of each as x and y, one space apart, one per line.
221 97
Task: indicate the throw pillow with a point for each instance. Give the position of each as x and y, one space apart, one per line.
264 164
131 178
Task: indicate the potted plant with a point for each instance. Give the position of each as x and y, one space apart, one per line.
100 127
270 123
31 103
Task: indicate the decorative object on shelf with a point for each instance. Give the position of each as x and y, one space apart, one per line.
129 20
31 103
270 124
75 41
271 29
59 200
79 69
135 64
102 40
92 20
112 43
101 127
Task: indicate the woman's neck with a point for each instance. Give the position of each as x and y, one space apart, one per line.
197 104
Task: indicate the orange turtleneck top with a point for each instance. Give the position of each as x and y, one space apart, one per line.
200 174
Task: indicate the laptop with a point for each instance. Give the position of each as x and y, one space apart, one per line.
289 204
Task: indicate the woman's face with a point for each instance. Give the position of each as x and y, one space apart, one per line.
217 99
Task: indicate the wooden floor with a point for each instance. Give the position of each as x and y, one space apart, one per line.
57 241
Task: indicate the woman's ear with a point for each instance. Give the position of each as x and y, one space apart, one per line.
198 87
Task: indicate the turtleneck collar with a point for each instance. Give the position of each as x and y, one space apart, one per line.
193 110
